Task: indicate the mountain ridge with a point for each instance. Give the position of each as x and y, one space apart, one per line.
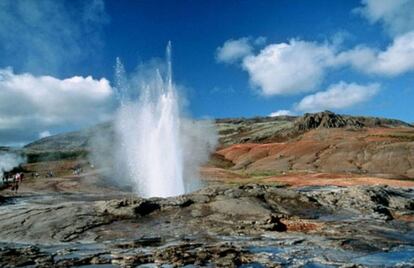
232 130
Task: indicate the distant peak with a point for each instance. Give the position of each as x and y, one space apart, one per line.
326 119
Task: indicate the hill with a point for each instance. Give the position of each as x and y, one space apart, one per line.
230 130
319 142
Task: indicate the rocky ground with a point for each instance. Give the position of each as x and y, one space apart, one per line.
75 222
321 190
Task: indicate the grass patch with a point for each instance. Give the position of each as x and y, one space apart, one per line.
397 136
264 173
255 181
35 157
219 161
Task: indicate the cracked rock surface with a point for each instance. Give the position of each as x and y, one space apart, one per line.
217 226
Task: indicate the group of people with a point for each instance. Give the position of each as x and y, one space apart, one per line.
16 180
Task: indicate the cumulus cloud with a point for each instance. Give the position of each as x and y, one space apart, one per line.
396 59
281 113
289 68
30 104
395 15
338 96
300 66
260 41
48 36
234 50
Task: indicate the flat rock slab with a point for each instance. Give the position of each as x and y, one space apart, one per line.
224 225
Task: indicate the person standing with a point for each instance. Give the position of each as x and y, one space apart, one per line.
16 180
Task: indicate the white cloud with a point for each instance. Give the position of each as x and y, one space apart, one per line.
289 68
281 113
44 134
338 96
260 41
395 15
300 66
396 59
29 104
234 50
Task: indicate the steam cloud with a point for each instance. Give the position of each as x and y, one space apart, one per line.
124 154
8 161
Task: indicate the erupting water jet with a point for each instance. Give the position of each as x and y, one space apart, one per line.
149 134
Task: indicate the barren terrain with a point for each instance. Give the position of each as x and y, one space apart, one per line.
322 190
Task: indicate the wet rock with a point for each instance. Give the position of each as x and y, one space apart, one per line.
200 198
271 222
141 242
221 255
124 208
18 257
44 223
99 259
291 227
401 199
291 202
128 208
131 259
239 207
358 245
146 207
179 201
371 201
2 199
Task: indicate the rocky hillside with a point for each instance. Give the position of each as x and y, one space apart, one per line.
284 128
320 142
329 119
230 130
69 141
385 152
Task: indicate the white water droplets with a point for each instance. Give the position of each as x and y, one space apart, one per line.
148 134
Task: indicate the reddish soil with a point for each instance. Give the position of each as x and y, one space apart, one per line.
406 218
301 225
214 173
367 152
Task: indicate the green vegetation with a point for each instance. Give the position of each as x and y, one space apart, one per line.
401 136
254 181
264 173
34 157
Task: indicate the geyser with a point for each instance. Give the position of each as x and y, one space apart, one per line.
148 132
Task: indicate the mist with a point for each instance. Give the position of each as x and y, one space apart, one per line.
8 161
154 148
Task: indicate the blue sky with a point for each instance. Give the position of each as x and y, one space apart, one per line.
232 58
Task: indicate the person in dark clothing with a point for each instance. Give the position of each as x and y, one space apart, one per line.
16 181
